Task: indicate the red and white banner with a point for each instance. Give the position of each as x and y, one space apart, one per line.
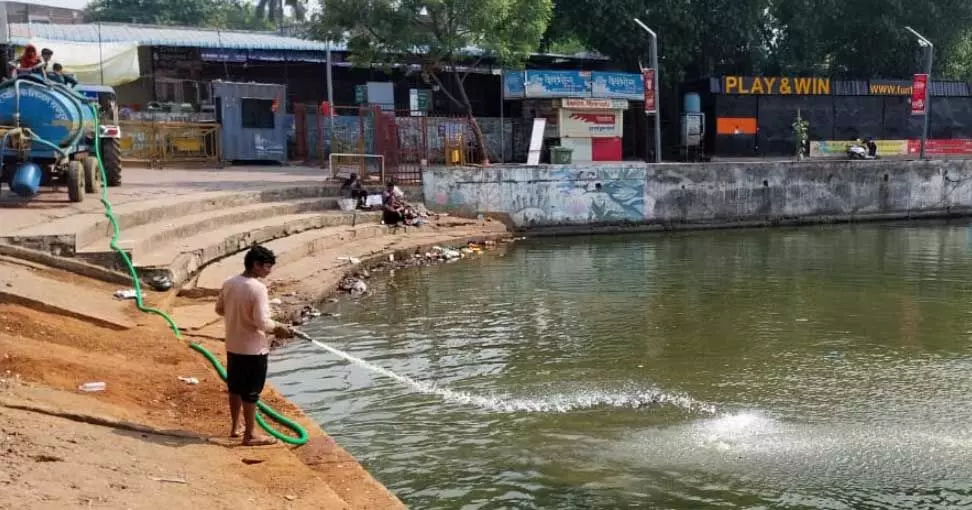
590 123
650 101
941 147
594 104
919 89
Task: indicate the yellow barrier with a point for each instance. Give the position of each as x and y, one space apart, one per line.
162 144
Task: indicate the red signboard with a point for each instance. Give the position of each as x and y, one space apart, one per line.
955 147
919 88
649 79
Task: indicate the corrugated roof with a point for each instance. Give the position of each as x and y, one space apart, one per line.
146 35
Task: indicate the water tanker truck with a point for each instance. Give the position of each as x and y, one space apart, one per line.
48 131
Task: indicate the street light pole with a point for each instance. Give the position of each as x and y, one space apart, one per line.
925 43
654 65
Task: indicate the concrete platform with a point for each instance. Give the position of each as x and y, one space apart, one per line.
174 222
26 286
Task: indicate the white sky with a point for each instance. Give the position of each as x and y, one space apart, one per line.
70 4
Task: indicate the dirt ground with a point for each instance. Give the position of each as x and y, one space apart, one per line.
62 448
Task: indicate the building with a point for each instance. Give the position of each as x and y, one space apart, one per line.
177 64
753 115
37 13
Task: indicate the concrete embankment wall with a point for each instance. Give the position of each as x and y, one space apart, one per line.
603 197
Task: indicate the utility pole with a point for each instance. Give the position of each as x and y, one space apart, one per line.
925 43
654 65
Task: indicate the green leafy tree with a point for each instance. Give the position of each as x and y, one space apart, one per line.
696 37
229 14
273 10
238 15
153 12
866 38
801 130
438 34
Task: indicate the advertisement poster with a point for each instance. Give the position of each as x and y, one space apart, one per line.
555 84
590 123
918 89
648 77
513 86
617 85
942 147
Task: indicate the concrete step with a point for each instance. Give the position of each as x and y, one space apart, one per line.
290 252
64 236
182 258
152 236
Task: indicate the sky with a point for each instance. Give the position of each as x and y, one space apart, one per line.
70 4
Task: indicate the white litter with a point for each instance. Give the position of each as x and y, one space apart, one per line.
276 301
350 260
92 386
189 380
125 294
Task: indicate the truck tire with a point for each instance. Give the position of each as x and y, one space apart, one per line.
112 159
92 175
75 181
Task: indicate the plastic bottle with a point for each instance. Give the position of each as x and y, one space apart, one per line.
92 386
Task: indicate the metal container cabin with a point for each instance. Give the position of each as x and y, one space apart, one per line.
253 120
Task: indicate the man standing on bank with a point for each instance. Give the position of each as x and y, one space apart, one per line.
244 304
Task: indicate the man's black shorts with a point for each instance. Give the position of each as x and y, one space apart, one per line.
246 374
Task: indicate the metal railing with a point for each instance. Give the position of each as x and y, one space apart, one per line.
405 140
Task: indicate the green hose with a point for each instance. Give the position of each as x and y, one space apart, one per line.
116 233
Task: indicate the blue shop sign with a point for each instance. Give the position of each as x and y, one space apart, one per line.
556 84
629 86
513 85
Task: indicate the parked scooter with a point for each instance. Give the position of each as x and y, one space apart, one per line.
862 150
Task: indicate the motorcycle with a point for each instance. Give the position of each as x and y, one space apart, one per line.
860 151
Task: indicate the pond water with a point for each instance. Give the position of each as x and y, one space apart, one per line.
824 367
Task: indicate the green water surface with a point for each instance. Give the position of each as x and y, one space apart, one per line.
801 368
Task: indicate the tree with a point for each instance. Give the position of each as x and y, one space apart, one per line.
238 15
696 37
866 38
273 10
699 38
438 35
229 14
152 12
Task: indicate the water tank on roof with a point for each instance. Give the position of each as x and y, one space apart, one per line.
692 103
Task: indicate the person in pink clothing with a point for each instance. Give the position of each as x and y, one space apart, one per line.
244 304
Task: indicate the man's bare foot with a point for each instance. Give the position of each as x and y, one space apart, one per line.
237 432
259 441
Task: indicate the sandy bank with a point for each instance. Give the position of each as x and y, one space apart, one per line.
58 457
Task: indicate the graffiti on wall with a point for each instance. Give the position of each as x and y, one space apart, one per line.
565 194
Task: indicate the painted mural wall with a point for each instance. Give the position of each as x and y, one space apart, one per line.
543 195
682 195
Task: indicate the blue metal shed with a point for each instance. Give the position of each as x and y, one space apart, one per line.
253 119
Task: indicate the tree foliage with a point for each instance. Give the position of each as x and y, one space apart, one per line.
273 10
437 34
697 38
229 14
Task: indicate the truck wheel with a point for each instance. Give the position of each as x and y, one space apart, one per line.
92 175
111 157
75 181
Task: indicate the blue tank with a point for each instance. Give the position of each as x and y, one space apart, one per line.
692 103
51 111
26 179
